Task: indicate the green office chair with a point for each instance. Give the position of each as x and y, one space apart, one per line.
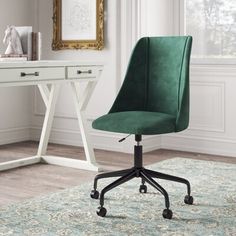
154 99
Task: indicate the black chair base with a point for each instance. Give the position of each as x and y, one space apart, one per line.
146 176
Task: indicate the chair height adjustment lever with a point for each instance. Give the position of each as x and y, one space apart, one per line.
123 139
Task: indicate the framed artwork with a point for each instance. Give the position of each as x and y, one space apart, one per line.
78 24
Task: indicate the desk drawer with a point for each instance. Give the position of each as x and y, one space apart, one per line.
80 72
31 74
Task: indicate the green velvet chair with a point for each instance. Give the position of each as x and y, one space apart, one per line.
154 99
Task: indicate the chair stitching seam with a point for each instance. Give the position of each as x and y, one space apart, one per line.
147 75
185 45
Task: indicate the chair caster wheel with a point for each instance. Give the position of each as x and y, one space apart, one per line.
101 211
143 188
94 194
167 214
188 200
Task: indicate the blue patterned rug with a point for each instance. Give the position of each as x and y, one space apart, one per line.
72 212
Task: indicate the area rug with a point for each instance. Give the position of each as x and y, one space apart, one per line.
73 212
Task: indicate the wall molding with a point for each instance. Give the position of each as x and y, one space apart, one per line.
109 141
131 29
14 135
100 140
215 99
213 70
199 144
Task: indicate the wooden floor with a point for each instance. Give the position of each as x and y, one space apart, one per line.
31 181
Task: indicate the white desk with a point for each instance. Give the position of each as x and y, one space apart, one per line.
49 76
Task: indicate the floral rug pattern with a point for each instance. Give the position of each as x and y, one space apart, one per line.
72 211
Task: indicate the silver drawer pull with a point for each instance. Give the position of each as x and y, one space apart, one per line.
23 74
84 72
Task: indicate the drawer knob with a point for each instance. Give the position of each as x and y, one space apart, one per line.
23 74
84 72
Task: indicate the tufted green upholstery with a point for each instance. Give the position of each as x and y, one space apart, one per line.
154 98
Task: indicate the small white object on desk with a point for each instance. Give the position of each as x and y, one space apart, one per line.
13 41
25 33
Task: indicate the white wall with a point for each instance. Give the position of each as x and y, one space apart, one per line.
15 12
15 103
157 17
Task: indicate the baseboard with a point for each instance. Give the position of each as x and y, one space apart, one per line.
101 140
206 145
109 141
14 135
151 143
68 137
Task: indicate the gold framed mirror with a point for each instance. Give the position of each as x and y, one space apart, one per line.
78 24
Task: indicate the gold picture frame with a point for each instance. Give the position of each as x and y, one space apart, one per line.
78 24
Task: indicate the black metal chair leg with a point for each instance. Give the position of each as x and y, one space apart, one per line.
110 175
143 181
157 186
159 175
146 176
116 183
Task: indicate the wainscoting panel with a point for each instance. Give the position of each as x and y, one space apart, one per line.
207 106
212 126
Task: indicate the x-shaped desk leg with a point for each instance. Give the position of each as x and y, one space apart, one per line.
81 102
50 97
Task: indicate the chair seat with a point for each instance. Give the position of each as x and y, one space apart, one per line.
136 122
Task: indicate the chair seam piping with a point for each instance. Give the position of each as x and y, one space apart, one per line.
147 75
181 71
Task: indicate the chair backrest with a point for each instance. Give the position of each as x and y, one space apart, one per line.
157 78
